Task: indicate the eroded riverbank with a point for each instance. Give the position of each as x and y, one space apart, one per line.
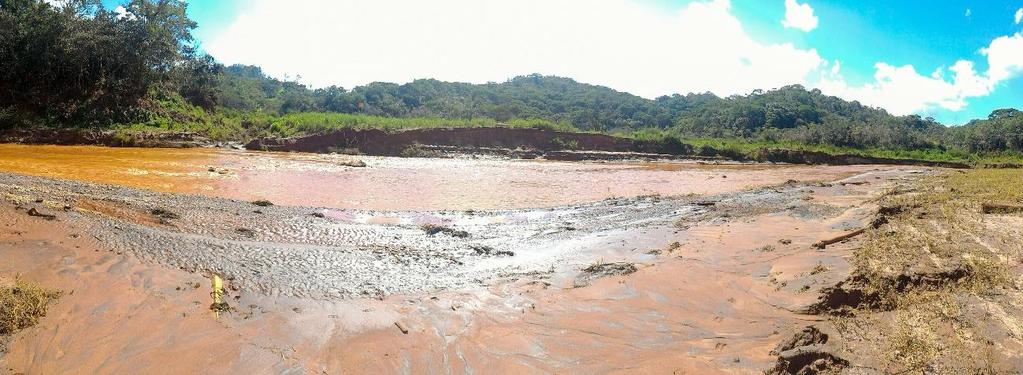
317 289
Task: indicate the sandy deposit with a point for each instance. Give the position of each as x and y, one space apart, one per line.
325 290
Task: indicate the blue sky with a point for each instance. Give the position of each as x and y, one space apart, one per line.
904 56
927 35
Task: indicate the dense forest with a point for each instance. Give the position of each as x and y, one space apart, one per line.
81 65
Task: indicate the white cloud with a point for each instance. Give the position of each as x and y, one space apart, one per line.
1019 16
1004 56
901 90
618 43
799 16
122 12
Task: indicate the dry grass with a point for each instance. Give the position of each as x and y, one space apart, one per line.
22 304
940 269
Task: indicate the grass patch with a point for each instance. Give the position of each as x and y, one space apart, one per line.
22 304
227 125
177 115
940 229
751 148
934 270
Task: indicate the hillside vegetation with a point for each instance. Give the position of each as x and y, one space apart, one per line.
80 65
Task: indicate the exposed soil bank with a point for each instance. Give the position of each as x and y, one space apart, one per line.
505 298
548 144
496 141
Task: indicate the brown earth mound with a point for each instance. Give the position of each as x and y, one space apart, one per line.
379 142
545 143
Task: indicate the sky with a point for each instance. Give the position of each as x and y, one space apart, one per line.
952 60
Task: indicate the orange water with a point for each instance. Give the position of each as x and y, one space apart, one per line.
391 183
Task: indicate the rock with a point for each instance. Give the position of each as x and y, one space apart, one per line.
432 229
263 203
600 270
489 251
806 352
36 213
164 214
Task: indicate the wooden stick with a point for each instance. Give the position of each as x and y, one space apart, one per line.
824 243
401 327
996 208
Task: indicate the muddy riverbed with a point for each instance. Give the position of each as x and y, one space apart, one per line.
389 183
683 269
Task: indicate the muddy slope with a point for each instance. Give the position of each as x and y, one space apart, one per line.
379 142
548 144
505 142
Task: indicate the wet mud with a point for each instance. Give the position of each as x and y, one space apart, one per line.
693 283
388 183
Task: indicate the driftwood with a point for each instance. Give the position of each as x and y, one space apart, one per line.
824 243
401 327
883 213
997 208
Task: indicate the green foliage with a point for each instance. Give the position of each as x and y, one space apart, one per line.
82 64
554 100
1001 132
178 115
78 64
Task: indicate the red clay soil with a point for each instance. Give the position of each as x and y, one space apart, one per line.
719 302
379 142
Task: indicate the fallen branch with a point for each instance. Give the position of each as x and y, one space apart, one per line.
996 208
824 243
401 327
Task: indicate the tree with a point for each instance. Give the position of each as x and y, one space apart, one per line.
78 62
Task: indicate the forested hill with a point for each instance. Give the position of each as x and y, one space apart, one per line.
791 113
78 64
542 97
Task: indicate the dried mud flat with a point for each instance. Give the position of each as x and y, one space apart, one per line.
696 283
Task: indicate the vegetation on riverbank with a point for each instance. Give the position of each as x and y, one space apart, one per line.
752 147
22 304
80 65
934 285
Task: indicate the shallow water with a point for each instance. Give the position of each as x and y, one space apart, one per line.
389 183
